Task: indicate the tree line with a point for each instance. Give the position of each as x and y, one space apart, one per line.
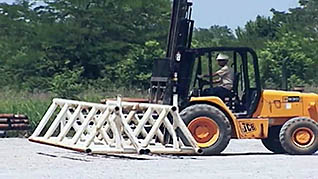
65 46
287 40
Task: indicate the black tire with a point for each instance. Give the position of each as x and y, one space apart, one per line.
306 127
272 142
203 110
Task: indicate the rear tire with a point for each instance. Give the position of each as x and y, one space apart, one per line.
298 136
209 126
272 142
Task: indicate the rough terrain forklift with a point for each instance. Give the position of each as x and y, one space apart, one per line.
285 121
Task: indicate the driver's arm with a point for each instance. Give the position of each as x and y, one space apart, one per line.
206 76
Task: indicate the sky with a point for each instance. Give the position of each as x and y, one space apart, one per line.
232 13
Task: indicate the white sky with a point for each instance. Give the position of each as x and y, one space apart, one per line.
232 13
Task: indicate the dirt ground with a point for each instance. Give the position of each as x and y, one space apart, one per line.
242 159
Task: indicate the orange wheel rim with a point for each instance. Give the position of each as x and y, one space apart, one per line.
204 130
303 137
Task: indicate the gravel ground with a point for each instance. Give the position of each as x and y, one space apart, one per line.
242 159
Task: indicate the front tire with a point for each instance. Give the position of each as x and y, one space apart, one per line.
209 127
298 136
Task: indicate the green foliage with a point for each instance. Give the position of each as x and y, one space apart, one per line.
300 20
77 44
296 42
67 84
214 36
286 52
255 33
135 69
43 48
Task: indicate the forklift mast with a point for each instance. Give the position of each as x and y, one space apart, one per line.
165 73
181 27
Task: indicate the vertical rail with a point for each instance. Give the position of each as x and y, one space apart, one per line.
210 69
56 122
116 130
45 119
172 133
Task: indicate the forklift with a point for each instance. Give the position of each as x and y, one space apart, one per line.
177 118
285 121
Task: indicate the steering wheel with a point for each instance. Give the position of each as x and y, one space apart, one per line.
201 82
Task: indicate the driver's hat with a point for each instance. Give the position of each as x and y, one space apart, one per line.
222 57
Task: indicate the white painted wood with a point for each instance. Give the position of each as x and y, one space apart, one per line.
118 127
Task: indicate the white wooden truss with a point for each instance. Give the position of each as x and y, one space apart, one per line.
115 127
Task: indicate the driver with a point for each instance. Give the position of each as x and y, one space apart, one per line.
225 80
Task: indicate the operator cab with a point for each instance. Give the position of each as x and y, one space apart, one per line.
243 61
175 75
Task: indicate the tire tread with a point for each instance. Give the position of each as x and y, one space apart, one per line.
286 141
193 110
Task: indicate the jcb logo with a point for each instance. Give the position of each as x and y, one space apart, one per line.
248 127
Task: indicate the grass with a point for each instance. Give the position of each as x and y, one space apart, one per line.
34 105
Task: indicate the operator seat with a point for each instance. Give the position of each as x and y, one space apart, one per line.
234 90
232 95
232 101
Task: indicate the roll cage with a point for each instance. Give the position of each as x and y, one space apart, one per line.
246 90
174 76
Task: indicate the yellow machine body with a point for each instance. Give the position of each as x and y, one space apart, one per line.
274 108
280 106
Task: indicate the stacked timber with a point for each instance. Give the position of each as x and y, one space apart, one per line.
14 122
